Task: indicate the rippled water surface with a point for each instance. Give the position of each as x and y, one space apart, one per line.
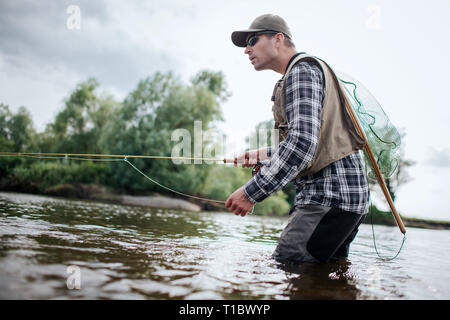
63 249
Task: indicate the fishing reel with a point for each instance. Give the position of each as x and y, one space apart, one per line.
256 168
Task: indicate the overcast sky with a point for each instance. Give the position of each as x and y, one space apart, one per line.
397 49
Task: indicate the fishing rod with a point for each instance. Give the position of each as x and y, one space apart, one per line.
234 161
117 157
93 155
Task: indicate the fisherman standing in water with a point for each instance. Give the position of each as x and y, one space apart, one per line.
318 149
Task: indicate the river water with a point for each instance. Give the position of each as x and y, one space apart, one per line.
53 248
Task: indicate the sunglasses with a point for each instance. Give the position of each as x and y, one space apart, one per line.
251 41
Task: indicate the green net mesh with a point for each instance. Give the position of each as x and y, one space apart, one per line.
383 137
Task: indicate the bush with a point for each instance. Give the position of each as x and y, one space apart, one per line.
75 190
46 174
378 216
276 204
223 181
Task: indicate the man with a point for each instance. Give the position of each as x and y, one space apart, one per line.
319 149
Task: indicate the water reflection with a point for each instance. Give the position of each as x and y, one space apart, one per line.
321 281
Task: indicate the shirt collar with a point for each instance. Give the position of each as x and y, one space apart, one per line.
292 59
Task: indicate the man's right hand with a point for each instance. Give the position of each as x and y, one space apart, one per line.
250 158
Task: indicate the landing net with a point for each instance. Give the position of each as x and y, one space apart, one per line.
383 137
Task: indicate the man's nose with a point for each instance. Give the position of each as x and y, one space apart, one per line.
247 49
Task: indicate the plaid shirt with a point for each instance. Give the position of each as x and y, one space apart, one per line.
342 184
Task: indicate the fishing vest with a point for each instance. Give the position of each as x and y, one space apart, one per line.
338 136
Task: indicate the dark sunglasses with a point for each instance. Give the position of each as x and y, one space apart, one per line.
251 41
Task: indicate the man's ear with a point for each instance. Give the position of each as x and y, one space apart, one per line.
279 39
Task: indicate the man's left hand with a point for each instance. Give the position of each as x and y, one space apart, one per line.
238 202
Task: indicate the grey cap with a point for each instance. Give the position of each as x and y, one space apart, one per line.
264 22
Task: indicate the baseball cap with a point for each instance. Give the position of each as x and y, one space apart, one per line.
265 22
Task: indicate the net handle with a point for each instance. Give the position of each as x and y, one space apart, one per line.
380 179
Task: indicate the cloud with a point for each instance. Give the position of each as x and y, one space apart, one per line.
42 60
439 158
103 48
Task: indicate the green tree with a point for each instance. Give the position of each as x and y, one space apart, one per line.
5 116
77 128
214 82
262 135
17 134
22 131
145 122
6 144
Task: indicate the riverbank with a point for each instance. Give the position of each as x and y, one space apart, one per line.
155 200
426 224
96 192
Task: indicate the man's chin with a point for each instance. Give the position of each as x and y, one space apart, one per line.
258 67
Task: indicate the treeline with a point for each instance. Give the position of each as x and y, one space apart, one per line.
91 122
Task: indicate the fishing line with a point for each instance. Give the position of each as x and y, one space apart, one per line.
373 230
177 192
71 156
375 244
251 212
167 188
125 158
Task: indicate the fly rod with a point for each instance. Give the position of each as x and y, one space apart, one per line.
93 155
